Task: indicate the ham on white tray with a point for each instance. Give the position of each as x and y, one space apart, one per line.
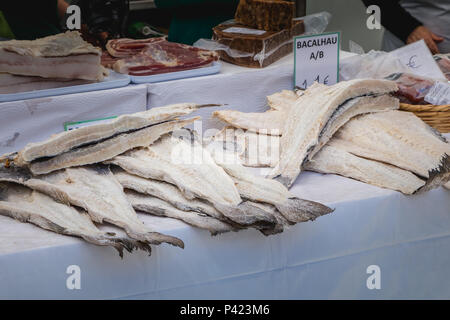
154 56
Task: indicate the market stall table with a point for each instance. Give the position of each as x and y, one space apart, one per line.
408 237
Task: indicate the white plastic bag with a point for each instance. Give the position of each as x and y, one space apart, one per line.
374 64
316 23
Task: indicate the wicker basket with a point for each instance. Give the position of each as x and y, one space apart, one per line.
436 116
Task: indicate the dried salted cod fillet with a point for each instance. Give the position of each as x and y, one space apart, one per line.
107 149
282 100
271 120
27 205
167 192
94 189
333 159
336 160
151 165
192 154
254 149
193 157
68 140
192 186
158 207
257 149
352 108
195 174
260 189
400 139
281 222
311 113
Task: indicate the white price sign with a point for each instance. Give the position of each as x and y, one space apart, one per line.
418 58
316 58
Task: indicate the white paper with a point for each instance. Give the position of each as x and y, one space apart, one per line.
439 94
418 58
316 59
244 31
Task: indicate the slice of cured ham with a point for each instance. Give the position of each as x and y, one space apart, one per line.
108 60
154 56
126 48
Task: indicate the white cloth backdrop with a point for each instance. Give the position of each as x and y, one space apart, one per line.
35 120
407 237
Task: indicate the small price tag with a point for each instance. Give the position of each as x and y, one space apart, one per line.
439 94
68 126
316 58
418 58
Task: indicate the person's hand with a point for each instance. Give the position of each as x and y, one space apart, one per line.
422 32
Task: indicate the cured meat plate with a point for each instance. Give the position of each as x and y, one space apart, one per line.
204 71
113 80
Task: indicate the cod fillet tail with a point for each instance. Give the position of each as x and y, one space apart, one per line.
155 238
298 210
285 181
120 244
438 176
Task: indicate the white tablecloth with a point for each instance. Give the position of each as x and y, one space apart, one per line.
407 237
35 120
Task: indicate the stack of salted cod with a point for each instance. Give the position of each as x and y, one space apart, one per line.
380 146
67 169
65 184
411 153
177 177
